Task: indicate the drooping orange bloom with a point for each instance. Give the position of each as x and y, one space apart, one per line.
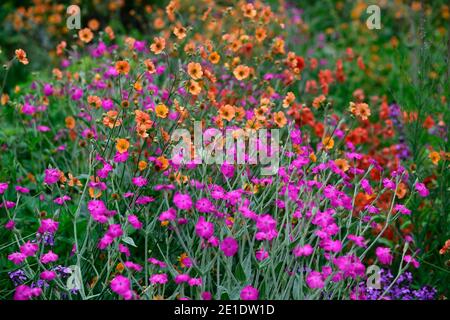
94 101
158 45
227 112
434 157
4 99
70 122
280 119
143 123
110 120
289 99
150 66
194 87
195 70
214 58
85 35
109 31
241 72
122 67
161 110
21 55
328 142
122 145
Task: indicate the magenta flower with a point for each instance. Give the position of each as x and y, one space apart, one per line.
24 292
180 278
182 201
204 205
305 251
3 187
249 293
49 257
160 278
421 189
139 181
168 215
134 221
227 170
115 231
204 229
48 275
314 280
133 266
261 255
17 257
122 286
229 246
388 184
29 249
384 255
48 225
51 176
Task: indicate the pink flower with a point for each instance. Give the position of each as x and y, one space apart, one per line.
168 215
204 229
388 184
366 186
29 249
22 189
422 190
158 278
98 210
139 181
261 255
358 240
306 250
206 295
182 278
195 282
48 225
229 246
10 225
402 209
24 292
314 280
49 257
227 170
134 221
133 266
51 176
105 241
3 187
204 205
157 262
122 286
115 231
182 201
48 275
410 259
17 257
384 255
249 293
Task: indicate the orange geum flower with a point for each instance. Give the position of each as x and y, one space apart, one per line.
317 101
241 72
214 58
161 110
342 164
158 45
142 165
288 100
195 70
280 119
328 142
85 35
94 101
227 112
70 122
122 67
21 55
260 34
150 66
361 110
161 163
179 32
122 145
248 10
194 87
434 157
110 120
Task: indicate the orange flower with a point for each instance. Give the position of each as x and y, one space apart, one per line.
4 99
85 35
142 165
194 87
434 157
122 145
260 34
161 163
318 101
214 58
94 101
248 10
110 120
93 24
179 32
150 66
70 123
21 55
288 100
342 164
328 142
161 110
122 67
195 70
158 45
109 31
361 110
241 72
227 112
280 119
